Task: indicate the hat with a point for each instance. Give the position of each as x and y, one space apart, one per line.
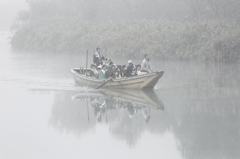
130 61
115 65
99 67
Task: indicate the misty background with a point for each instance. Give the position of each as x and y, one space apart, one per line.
9 10
195 42
203 30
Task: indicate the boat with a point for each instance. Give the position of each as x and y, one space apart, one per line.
135 82
146 98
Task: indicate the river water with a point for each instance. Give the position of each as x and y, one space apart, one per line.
193 112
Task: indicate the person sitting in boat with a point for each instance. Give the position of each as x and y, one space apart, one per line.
118 72
115 73
123 71
145 66
98 70
98 57
131 69
93 71
107 62
104 69
119 67
111 72
139 70
109 66
101 72
108 73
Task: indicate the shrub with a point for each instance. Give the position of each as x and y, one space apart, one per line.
163 39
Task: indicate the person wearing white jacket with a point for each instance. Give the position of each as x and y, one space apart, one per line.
145 66
139 70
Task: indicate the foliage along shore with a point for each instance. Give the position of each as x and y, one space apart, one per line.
162 39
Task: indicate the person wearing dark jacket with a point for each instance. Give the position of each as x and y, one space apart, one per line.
118 72
111 72
131 69
114 71
123 71
109 66
98 57
108 73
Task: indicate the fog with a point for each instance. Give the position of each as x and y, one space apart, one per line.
192 112
9 10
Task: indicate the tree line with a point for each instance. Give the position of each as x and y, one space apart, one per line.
132 9
206 30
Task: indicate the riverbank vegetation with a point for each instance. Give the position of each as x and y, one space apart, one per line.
51 26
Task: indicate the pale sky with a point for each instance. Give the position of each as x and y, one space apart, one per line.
9 10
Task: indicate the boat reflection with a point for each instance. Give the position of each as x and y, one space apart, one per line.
80 111
132 101
202 123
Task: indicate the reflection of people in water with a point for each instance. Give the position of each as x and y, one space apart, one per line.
132 109
110 104
146 111
99 107
119 104
98 113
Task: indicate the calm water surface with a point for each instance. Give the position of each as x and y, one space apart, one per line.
194 112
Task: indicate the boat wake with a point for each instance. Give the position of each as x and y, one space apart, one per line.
39 83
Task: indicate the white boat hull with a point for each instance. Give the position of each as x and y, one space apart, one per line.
135 82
